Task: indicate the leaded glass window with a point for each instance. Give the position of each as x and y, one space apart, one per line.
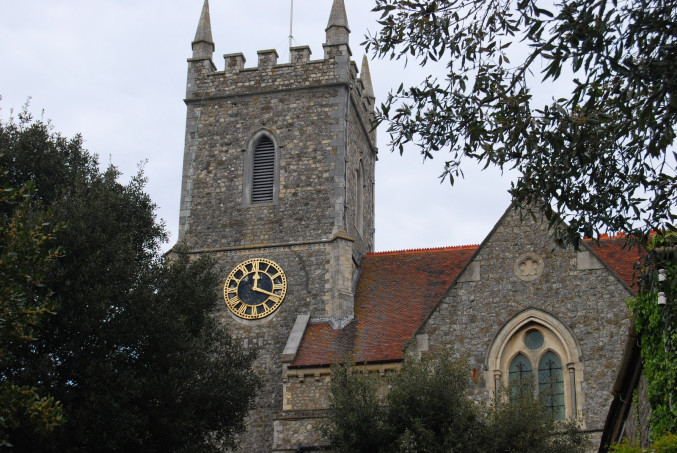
551 383
533 339
521 376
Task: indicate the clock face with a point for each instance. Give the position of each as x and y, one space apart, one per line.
255 288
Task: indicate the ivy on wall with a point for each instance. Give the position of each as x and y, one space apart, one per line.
656 326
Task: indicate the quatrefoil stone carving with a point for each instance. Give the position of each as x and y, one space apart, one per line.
528 267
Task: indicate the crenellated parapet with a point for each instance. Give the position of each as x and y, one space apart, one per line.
205 81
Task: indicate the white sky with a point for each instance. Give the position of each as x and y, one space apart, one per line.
114 71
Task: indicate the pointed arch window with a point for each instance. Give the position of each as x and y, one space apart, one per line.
551 383
359 195
537 352
521 376
263 177
262 170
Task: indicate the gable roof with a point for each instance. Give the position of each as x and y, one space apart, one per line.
395 293
398 290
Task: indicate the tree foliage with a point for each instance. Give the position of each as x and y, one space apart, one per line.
424 408
27 252
132 350
602 155
665 444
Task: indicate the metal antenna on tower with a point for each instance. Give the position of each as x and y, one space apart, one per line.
291 27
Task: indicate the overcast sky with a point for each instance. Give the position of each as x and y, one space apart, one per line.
114 71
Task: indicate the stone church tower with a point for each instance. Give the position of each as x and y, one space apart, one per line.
278 185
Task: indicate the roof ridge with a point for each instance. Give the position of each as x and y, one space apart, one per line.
431 249
602 236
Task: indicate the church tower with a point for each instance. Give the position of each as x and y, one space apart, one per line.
278 185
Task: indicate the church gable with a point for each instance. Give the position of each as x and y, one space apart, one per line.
525 286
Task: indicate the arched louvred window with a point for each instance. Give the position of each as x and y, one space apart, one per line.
263 171
521 377
359 195
551 383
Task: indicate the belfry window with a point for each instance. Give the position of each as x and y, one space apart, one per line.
261 179
359 195
263 174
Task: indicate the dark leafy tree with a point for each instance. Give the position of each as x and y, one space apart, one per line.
132 350
520 423
425 408
601 156
26 253
358 419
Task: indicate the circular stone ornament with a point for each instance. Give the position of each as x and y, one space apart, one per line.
528 267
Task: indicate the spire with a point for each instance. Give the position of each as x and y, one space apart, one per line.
337 28
203 44
365 76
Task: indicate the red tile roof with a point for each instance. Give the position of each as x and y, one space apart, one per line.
614 253
397 291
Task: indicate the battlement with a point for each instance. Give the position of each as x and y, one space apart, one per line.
236 79
301 72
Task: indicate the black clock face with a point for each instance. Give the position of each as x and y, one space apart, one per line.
247 289
255 288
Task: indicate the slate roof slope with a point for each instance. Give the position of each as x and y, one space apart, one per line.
397 291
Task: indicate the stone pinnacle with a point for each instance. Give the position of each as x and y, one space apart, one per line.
337 27
365 76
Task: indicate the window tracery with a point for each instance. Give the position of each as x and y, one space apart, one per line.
536 351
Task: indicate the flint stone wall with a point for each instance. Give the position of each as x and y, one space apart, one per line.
589 302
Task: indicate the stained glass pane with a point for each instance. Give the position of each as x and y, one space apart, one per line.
551 383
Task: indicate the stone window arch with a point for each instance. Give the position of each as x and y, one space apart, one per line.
261 178
538 343
359 197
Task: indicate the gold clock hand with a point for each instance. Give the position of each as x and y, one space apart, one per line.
265 292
